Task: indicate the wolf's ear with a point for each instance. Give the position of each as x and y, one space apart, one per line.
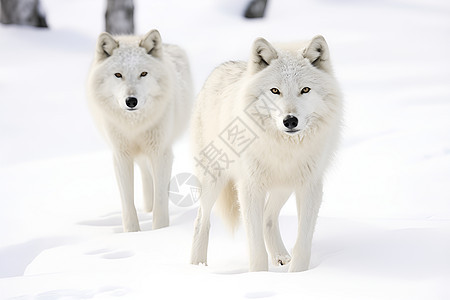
105 45
152 43
262 55
318 54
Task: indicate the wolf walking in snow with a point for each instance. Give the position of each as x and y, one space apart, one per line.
140 94
262 130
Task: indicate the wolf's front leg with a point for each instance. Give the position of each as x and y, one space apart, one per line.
123 165
309 198
162 169
272 236
147 183
252 199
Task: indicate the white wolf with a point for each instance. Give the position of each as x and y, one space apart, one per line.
140 92
261 131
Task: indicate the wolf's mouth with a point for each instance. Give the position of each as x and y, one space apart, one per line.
291 131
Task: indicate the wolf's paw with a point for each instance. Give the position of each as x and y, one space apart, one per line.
131 227
281 260
299 264
294 268
148 204
199 263
157 224
148 209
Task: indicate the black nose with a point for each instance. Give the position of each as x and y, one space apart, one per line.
131 102
290 122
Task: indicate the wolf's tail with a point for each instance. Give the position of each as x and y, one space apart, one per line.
228 206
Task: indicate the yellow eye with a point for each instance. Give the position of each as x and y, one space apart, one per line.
305 90
118 75
275 91
143 74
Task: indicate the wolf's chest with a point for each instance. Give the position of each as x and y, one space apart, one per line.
136 142
282 166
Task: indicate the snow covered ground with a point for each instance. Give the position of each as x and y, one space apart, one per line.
384 227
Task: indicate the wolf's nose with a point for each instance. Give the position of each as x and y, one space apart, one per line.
290 121
131 102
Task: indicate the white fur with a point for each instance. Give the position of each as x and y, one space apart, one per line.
263 176
143 135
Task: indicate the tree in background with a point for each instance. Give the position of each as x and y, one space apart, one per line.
255 9
22 12
119 18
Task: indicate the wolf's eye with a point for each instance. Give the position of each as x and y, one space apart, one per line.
118 75
275 91
143 74
305 90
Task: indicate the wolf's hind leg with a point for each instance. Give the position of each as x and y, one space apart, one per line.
202 223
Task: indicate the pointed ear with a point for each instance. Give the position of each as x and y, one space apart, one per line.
318 54
105 45
262 55
152 43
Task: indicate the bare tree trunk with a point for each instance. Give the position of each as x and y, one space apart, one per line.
119 18
255 9
22 12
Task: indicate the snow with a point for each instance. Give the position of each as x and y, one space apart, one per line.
384 226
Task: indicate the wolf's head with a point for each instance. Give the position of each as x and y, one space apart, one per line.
129 70
290 91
